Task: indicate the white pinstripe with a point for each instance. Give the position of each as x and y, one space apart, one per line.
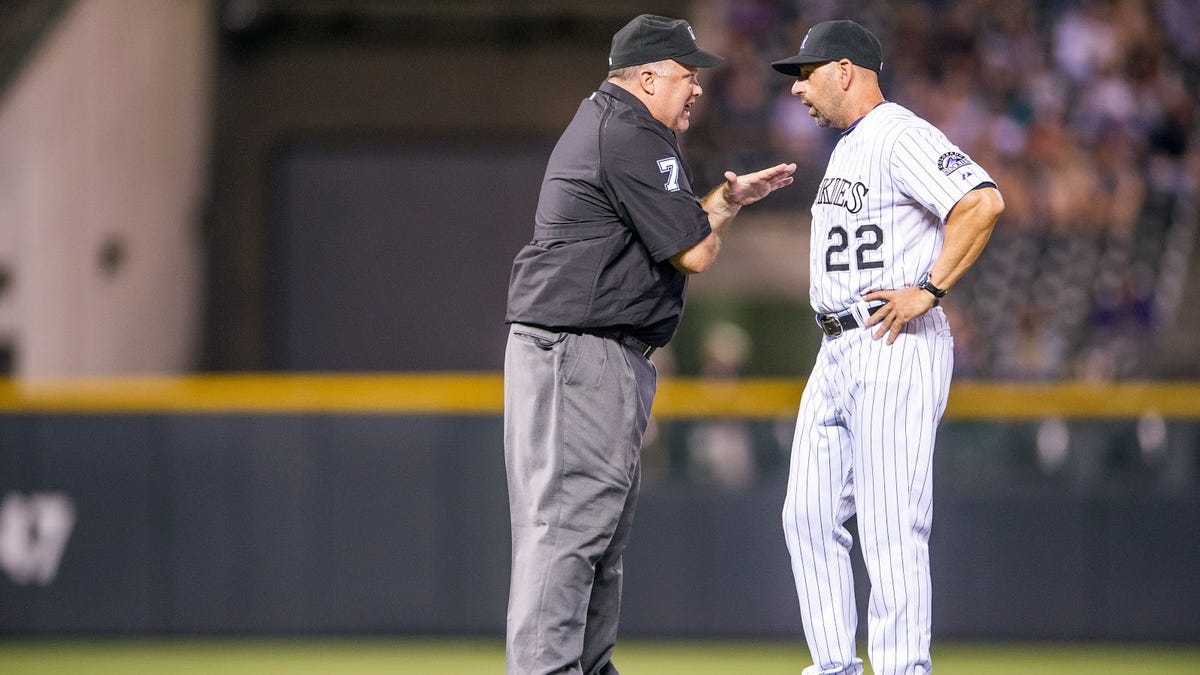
869 414
894 154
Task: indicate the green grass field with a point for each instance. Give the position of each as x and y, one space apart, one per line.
486 657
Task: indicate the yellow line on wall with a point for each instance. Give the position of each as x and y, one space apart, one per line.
458 393
968 399
482 394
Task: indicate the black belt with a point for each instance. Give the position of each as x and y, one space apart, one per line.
836 324
634 344
624 338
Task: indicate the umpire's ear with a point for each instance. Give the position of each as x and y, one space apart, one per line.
646 77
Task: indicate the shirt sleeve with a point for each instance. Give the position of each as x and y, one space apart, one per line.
652 191
933 171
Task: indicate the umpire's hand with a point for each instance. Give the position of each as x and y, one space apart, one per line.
751 187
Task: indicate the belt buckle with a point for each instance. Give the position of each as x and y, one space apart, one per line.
831 325
637 345
644 349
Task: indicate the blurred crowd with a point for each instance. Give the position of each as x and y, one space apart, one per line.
1084 111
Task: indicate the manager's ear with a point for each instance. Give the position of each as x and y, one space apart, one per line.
846 73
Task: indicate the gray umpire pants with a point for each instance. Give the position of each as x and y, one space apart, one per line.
575 410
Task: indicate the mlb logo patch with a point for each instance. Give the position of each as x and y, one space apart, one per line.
952 161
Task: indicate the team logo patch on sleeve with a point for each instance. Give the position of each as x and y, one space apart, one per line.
952 161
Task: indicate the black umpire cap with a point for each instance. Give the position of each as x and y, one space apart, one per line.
834 41
649 39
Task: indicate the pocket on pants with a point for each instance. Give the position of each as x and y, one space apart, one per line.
587 362
538 337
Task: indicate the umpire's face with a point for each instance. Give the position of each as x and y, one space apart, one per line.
672 95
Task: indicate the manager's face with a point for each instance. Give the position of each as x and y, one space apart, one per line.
817 88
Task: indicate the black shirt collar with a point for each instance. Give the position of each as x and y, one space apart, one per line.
620 93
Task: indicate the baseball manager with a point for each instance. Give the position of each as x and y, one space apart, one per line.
898 218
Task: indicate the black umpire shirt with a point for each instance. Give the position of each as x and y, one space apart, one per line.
616 204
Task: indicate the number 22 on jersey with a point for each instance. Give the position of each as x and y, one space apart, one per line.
866 243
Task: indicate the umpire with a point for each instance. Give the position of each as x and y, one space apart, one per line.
598 289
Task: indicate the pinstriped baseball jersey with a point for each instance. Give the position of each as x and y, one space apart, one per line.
877 216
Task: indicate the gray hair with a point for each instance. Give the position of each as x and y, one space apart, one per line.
628 73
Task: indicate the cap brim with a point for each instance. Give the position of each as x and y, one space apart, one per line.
700 59
791 65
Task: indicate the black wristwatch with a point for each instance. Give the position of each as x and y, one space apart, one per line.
926 285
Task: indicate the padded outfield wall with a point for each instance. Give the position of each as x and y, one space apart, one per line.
376 505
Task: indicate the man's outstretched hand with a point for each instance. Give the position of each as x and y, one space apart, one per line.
751 187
